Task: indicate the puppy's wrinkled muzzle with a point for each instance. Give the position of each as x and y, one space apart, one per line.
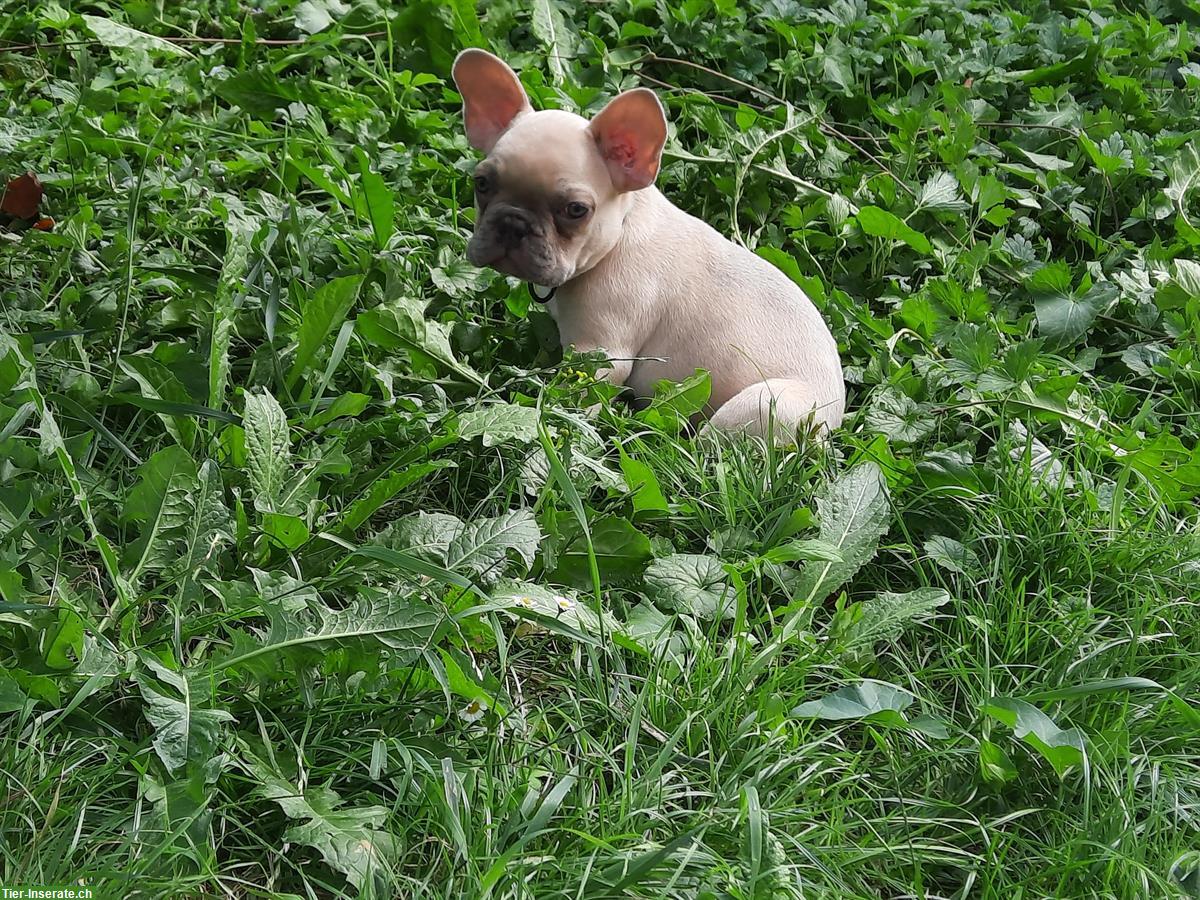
510 241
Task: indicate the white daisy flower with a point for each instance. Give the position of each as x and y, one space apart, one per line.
565 604
473 711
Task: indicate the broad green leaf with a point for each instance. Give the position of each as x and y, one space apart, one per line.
994 764
871 701
643 485
853 513
268 449
387 487
1183 177
258 91
881 223
808 550
427 535
621 554
350 404
12 698
884 616
499 423
157 382
288 531
313 16
209 525
161 503
379 201
952 555
691 583
648 625
351 840
1062 748
675 403
321 316
1047 162
115 35
184 731
549 28
400 324
1064 315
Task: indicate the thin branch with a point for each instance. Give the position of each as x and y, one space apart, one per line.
264 42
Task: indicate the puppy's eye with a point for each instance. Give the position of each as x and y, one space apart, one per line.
577 210
482 184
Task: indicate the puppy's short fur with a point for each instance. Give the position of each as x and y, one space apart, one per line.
570 204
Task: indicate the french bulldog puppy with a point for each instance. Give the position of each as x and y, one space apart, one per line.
570 206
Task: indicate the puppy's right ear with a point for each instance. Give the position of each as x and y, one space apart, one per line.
492 96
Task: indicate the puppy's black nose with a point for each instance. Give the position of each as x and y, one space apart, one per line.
512 228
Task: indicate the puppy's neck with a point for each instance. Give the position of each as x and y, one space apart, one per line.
643 218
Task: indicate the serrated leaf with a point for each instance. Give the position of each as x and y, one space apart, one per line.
1183 176
872 701
690 583
499 423
320 316
116 35
239 231
853 514
1062 748
895 414
375 619
157 382
482 547
941 192
885 615
260 92
881 223
350 840
400 324
268 448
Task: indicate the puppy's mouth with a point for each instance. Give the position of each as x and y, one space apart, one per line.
512 261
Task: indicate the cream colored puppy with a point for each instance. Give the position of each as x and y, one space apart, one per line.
570 205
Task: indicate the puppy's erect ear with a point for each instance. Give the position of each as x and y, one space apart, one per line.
630 133
492 96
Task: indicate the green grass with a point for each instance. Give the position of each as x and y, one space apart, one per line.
322 575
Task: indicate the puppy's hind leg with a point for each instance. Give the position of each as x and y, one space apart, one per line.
777 406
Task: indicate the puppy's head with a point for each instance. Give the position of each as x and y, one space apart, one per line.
552 193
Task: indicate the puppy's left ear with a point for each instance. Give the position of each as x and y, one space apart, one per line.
630 133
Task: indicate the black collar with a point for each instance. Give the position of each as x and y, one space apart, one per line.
540 298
